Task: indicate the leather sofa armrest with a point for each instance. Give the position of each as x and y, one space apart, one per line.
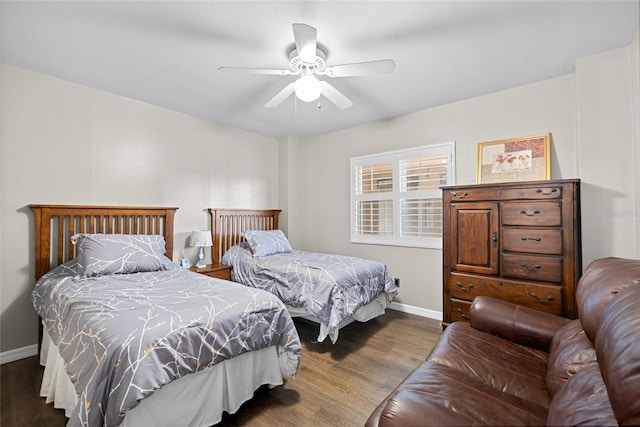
516 323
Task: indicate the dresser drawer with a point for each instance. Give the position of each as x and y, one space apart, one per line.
532 240
547 298
459 310
465 287
548 214
540 268
530 193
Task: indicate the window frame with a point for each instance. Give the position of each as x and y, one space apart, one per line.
397 195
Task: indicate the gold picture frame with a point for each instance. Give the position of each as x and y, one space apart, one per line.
526 158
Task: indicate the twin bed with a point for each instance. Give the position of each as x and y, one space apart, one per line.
331 290
127 333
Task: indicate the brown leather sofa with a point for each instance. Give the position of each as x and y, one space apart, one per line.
516 366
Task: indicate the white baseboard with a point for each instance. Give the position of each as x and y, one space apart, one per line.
431 314
18 353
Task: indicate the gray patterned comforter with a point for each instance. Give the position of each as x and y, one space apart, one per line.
330 287
123 336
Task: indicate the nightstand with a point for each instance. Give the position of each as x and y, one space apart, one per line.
219 271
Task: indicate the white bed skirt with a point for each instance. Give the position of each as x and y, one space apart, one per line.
365 313
193 400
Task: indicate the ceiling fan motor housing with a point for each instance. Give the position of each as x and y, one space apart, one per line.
297 66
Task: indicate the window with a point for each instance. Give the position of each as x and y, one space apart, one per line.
396 197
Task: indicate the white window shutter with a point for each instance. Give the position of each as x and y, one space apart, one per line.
396 196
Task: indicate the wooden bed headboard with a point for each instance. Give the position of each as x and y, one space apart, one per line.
55 224
227 226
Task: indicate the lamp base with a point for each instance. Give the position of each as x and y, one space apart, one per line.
200 262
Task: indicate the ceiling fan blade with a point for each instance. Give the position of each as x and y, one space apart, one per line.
249 70
281 96
361 68
333 95
305 36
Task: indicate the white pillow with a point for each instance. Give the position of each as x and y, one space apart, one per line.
267 242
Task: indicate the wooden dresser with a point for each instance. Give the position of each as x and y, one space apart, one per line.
518 242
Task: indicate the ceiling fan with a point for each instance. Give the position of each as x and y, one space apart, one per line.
308 61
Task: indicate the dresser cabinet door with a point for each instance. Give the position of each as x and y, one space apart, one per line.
474 232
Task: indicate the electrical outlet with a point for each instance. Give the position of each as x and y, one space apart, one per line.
396 280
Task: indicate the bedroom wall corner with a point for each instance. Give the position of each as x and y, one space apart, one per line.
2 181
635 108
288 174
607 86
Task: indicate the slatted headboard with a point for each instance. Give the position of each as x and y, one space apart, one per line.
55 224
227 226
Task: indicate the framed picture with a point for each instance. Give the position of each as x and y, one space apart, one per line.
527 158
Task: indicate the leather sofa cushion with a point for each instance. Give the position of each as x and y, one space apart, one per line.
570 352
582 401
600 283
437 395
618 348
502 365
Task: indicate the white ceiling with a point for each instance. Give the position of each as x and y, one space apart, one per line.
167 53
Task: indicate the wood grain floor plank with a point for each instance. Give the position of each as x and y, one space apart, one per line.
337 385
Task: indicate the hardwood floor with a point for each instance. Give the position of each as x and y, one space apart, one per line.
337 385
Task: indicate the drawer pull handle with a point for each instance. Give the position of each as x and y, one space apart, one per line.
463 288
542 301
537 239
530 213
535 266
459 195
547 192
464 316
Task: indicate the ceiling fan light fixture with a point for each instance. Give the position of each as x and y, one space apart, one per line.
308 88
307 60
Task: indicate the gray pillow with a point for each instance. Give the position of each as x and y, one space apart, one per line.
267 242
101 254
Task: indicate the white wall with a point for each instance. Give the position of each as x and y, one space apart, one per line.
592 116
64 143
69 144
608 152
635 117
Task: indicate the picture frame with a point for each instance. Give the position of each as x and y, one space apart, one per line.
526 158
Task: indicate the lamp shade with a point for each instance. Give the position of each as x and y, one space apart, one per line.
200 238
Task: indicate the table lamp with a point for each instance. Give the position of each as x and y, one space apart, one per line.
200 238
